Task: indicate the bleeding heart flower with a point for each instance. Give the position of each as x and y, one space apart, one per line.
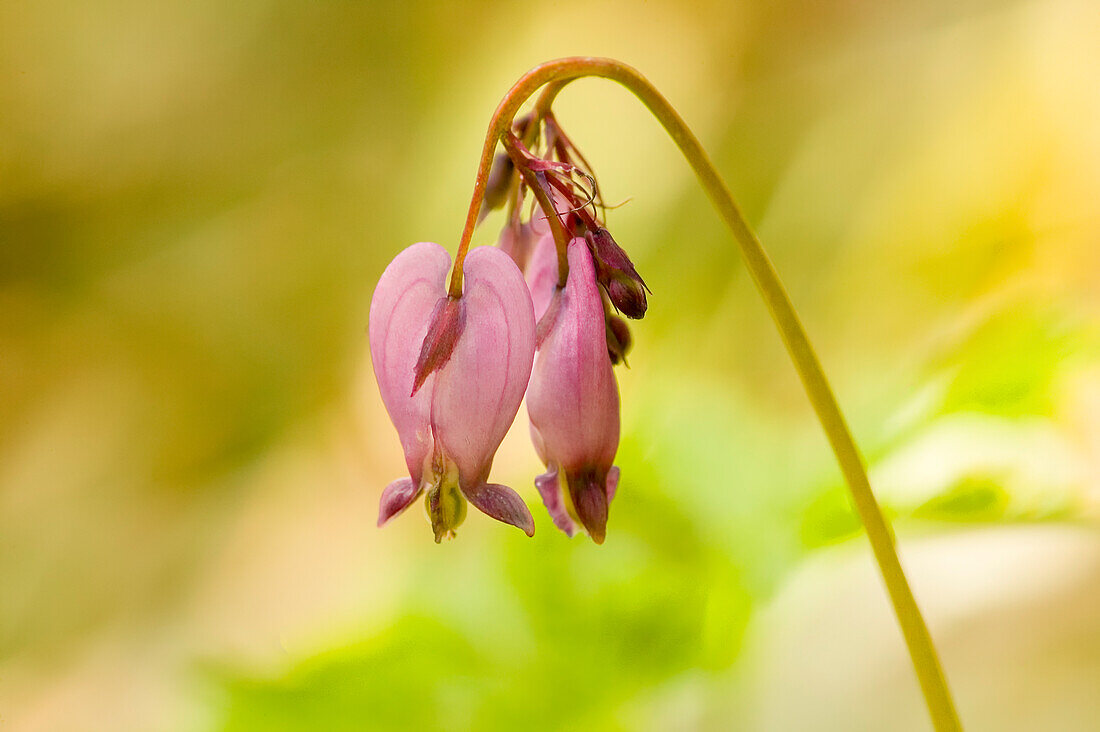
572 399
452 373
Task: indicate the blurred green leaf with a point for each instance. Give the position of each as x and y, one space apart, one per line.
1009 363
972 498
828 519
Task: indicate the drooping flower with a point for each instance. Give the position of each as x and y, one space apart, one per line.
452 373
573 400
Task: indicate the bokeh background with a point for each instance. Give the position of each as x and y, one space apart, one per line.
197 197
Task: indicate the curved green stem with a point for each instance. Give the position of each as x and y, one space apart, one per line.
556 74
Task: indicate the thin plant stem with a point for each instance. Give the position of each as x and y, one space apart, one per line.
556 74
561 242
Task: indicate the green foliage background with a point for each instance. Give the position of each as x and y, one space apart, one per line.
196 199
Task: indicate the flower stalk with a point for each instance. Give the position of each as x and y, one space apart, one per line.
515 151
554 75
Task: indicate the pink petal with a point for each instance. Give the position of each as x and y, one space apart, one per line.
612 482
502 503
518 241
400 309
573 400
542 274
397 496
549 487
478 392
540 446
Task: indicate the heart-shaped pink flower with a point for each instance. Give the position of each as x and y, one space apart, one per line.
573 400
452 374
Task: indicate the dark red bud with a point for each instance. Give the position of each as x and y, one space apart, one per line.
628 296
446 325
608 253
619 339
616 273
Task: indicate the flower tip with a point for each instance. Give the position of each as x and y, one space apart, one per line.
590 501
628 296
396 497
503 504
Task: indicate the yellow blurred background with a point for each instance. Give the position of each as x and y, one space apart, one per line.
196 199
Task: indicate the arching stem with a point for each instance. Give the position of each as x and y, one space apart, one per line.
558 73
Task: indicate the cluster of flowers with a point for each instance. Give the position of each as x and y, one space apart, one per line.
538 315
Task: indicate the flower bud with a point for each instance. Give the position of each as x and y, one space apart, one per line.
628 297
498 184
608 254
619 340
614 270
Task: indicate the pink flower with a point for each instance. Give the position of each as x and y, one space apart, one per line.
517 240
572 399
452 374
